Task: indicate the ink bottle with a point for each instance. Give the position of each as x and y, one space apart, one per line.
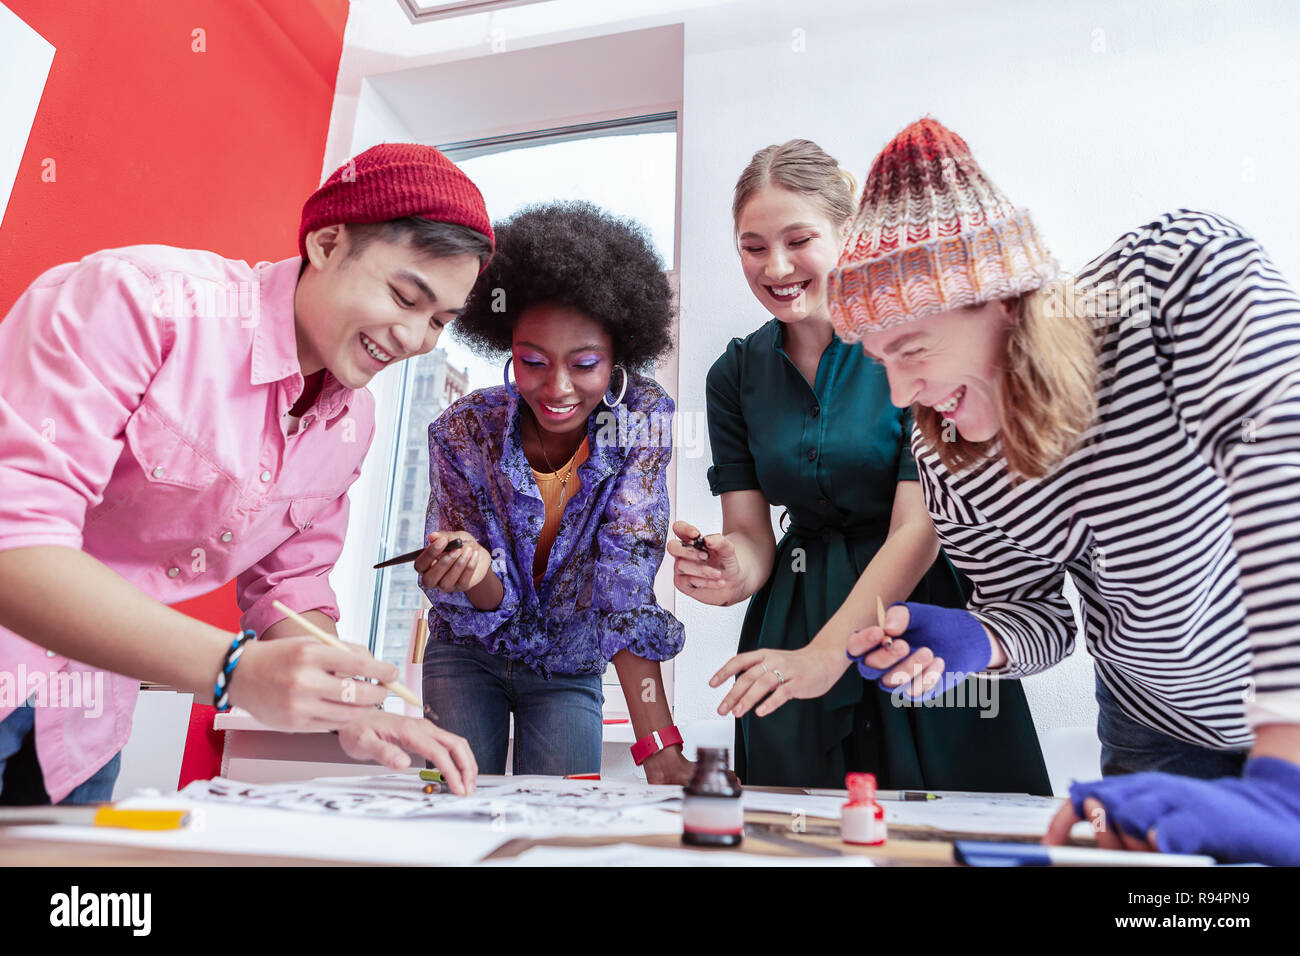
712 811
862 819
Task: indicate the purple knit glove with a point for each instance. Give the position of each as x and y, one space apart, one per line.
1250 819
952 634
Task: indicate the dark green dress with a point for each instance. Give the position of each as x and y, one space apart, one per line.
831 455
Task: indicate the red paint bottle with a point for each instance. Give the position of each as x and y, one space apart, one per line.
862 819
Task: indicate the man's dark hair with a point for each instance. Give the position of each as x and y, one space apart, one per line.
434 239
578 255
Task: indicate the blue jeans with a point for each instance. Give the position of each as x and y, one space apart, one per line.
1130 747
21 781
558 722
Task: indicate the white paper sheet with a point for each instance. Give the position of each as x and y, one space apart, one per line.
386 818
631 854
220 828
794 803
1012 814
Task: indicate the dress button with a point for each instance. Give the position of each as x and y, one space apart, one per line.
816 410
266 476
226 536
158 472
812 454
172 572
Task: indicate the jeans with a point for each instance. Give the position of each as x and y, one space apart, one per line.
558 722
1130 747
20 773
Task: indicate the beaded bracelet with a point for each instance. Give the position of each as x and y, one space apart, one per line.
221 690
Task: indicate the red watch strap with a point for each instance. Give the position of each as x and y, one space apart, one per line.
654 742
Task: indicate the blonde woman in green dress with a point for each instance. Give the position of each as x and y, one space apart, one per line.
801 420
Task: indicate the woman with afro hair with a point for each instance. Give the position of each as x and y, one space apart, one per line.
555 487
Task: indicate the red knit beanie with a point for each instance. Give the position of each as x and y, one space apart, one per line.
932 234
392 181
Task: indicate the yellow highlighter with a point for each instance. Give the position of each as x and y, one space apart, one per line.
111 816
102 815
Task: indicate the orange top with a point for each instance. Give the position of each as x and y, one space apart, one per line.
552 488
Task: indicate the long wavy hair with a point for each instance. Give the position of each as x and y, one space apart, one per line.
1046 388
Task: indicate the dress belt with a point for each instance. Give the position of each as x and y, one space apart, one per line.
865 529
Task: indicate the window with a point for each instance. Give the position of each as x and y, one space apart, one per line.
627 166
408 490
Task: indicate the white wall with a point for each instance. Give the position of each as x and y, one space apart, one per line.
25 59
1095 115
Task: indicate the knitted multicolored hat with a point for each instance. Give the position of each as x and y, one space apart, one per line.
932 234
393 181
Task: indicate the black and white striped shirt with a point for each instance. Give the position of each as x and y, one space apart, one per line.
1179 516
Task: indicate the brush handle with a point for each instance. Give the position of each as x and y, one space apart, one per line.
455 544
400 559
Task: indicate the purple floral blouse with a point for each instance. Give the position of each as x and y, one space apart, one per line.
597 595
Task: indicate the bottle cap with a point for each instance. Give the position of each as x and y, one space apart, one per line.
712 755
862 787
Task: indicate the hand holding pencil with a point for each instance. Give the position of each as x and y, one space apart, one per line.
388 738
293 683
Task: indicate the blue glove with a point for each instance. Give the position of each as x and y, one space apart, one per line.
1250 819
952 634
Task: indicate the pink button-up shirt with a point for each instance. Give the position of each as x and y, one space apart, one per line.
143 401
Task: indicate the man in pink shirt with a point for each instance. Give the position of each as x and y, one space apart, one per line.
169 420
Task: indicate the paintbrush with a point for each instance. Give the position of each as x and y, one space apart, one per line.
453 545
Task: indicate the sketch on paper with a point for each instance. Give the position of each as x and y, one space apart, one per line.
528 803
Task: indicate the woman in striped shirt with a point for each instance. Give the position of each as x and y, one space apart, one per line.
1137 427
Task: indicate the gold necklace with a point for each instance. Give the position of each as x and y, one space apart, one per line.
537 430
